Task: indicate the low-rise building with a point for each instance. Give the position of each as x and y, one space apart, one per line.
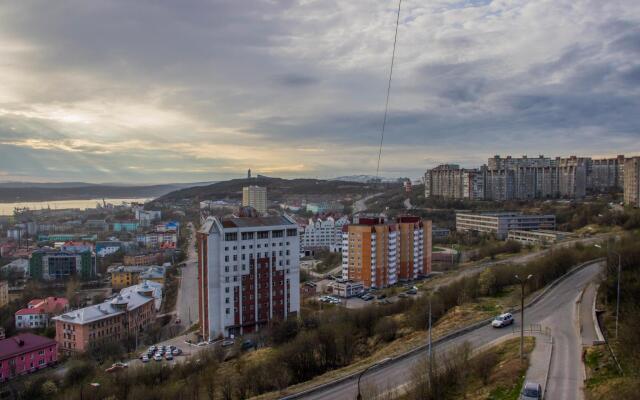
346 288
25 353
325 207
158 240
52 264
536 236
115 320
322 233
127 275
126 226
107 247
39 312
501 223
147 258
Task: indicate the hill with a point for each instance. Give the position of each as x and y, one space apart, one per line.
277 189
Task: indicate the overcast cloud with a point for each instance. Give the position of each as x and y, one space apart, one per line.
165 91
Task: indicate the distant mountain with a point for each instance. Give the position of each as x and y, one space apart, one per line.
26 191
277 189
362 178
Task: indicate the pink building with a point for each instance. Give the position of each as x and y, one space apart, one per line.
26 353
39 312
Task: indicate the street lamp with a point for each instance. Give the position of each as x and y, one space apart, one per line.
618 284
384 360
522 283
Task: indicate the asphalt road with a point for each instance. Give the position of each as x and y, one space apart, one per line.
187 301
557 310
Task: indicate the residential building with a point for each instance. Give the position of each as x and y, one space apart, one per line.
19 265
256 197
124 316
324 207
346 288
217 204
322 233
378 253
39 312
126 226
146 217
147 258
158 240
248 272
501 223
107 247
632 182
606 174
124 276
536 236
4 293
449 181
152 288
52 264
25 353
96 225
77 246
439 233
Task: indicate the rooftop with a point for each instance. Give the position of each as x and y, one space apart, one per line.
106 309
22 343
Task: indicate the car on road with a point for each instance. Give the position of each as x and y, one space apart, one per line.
502 320
531 391
412 291
116 367
227 342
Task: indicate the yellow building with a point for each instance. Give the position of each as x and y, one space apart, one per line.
380 253
125 276
4 293
256 197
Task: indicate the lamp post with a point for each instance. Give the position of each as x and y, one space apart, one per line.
618 284
522 283
359 396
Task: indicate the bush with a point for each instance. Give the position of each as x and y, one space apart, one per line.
386 329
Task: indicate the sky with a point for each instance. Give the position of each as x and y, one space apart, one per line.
184 91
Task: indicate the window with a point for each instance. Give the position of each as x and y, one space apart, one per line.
277 234
227 311
226 290
226 300
230 236
292 232
263 235
247 235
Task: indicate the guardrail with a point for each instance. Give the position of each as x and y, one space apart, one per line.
440 340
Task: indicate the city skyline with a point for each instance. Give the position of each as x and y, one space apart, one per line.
152 92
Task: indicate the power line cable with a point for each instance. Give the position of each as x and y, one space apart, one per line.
386 105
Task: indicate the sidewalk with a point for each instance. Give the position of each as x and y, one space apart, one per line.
538 371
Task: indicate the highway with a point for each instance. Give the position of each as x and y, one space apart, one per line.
556 310
187 301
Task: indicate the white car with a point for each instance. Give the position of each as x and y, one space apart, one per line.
502 320
145 359
157 357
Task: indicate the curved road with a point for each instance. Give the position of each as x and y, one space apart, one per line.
556 310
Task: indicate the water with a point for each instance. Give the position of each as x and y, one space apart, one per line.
7 208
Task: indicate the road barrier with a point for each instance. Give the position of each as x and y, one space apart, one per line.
443 339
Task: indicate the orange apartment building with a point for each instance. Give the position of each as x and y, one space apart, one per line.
126 315
380 253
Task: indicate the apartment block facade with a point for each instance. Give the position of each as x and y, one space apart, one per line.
26 353
52 264
607 174
126 315
379 253
451 182
322 233
248 272
256 197
500 224
632 182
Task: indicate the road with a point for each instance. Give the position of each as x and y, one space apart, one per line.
556 310
360 205
187 301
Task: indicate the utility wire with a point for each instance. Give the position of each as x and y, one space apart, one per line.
386 106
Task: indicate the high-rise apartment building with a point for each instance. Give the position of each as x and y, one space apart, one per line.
256 197
379 253
449 181
606 174
632 181
248 272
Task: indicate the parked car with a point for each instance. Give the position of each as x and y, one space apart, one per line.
502 320
176 352
168 357
228 342
116 367
157 357
412 291
367 297
531 391
381 296
248 344
402 295
145 359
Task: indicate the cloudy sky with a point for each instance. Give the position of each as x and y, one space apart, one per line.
177 91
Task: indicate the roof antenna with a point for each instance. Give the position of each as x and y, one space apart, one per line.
386 106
